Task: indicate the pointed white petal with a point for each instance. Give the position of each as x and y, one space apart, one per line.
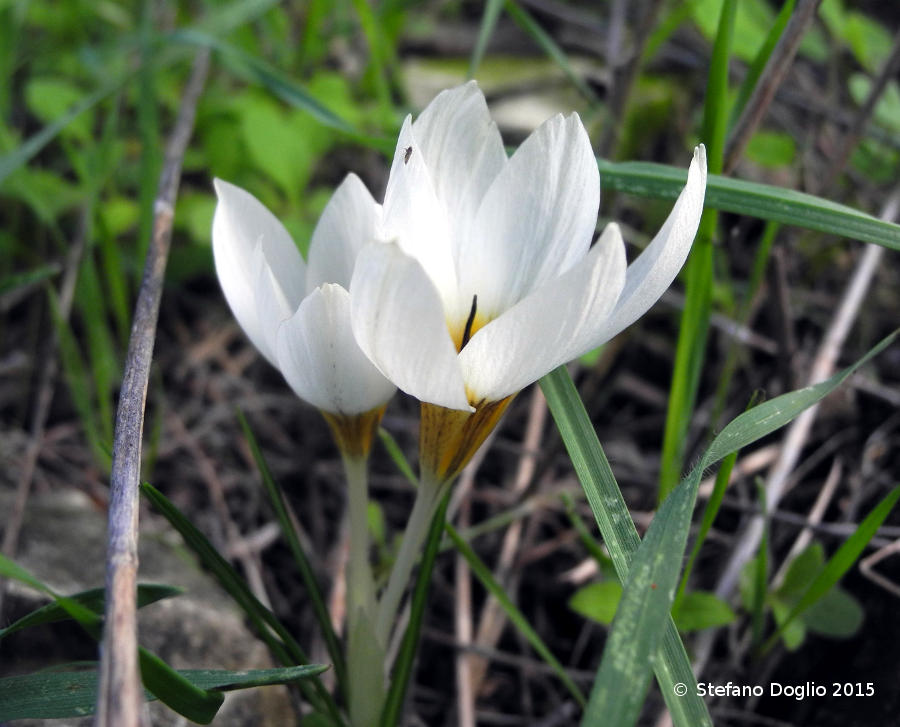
349 221
536 220
320 360
555 324
242 226
652 273
399 323
414 217
462 149
271 304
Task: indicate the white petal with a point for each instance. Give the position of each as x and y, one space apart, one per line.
242 224
536 220
652 273
349 221
320 359
556 323
462 149
415 218
399 323
272 306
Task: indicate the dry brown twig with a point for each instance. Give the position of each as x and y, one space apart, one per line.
120 695
773 74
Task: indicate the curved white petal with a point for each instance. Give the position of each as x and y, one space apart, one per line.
320 360
556 323
462 150
536 220
349 221
398 321
652 273
414 217
245 234
271 304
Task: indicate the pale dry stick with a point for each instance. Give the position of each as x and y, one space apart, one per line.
798 431
47 379
804 537
773 74
493 618
465 696
120 694
866 567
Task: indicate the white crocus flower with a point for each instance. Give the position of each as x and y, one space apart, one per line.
489 280
298 315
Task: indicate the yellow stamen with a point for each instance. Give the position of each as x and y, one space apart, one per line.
353 433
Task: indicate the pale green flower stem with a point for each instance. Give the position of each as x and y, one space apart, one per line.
365 652
428 498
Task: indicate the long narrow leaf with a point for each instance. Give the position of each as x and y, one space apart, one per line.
489 18
393 706
647 179
303 563
671 664
650 586
271 630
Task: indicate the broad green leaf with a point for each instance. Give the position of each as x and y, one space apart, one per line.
50 98
597 601
766 202
650 584
670 663
802 571
147 593
701 610
836 614
754 18
62 694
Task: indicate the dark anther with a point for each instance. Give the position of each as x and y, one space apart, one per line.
467 332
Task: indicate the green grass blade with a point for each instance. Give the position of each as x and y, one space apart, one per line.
524 20
396 454
650 586
258 71
516 617
21 281
393 706
671 664
147 593
271 630
647 179
303 563
840 562
694 328
492 10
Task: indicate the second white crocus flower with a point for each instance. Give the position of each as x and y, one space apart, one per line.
298 314
490 280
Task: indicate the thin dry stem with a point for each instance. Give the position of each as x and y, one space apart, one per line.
120 694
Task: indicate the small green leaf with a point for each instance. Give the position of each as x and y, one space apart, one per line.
793 632
802 571
771 149
699 610
836 614
93 599
597 601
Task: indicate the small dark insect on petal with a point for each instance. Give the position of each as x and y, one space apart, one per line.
407 155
